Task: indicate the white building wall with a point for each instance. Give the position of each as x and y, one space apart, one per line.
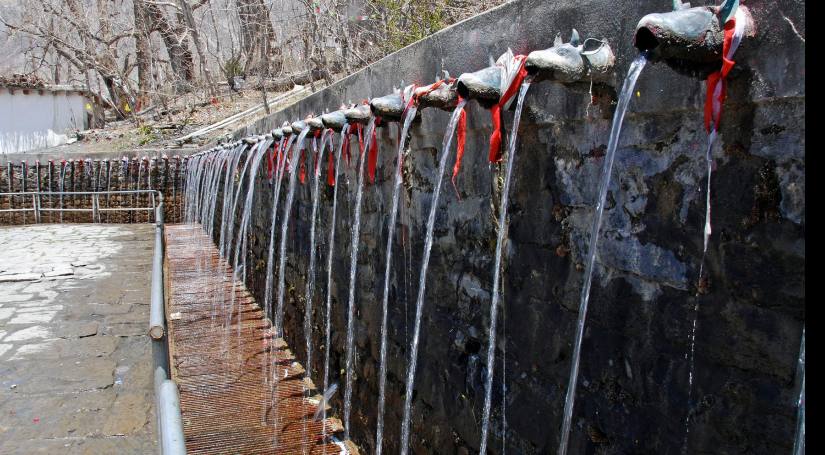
32 121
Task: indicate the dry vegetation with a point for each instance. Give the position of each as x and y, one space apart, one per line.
156 63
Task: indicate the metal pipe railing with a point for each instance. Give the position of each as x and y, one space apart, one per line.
167 400
95 209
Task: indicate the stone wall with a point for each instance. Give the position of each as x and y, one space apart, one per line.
633 387
166 175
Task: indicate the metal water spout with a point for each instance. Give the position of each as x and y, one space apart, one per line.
690 40
358 114
391 108
315 124
444 96
591 60
483 86
298 126
334 120
286 129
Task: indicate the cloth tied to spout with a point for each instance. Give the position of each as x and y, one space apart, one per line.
734 29
513 74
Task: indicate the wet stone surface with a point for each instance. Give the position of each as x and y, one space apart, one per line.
75 363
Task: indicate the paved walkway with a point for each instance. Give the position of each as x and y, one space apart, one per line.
75 363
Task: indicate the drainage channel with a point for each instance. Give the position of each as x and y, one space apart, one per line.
226 403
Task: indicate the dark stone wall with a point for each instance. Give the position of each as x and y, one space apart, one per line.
633 388
83 175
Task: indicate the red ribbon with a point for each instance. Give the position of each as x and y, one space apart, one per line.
330 169
372 158
270 161
719 77
495 139
302 175
461 139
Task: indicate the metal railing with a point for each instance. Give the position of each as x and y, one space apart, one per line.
167 404
35 198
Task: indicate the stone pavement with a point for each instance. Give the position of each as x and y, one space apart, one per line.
75 361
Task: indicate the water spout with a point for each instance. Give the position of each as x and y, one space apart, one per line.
483 85
689 40
589 61
358 114
389 107
443 97
334 120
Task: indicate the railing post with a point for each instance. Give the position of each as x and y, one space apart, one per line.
36 207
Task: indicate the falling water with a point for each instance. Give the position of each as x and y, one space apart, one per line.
330 255
356 228
276 192
502 231
294 169
422 282
256 156
621 108
310 285
799 443
382 375
229 182
290 196
229 221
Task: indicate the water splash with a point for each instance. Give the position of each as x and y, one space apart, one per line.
618 117
325 399
425 261
396 191
356 229
502 232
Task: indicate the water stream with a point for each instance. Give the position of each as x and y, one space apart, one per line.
422 282
396 192
294 170
330 257
604 183
502 232
356 229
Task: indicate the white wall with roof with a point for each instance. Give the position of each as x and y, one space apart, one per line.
39 118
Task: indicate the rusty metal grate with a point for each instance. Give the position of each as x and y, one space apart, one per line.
221 356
